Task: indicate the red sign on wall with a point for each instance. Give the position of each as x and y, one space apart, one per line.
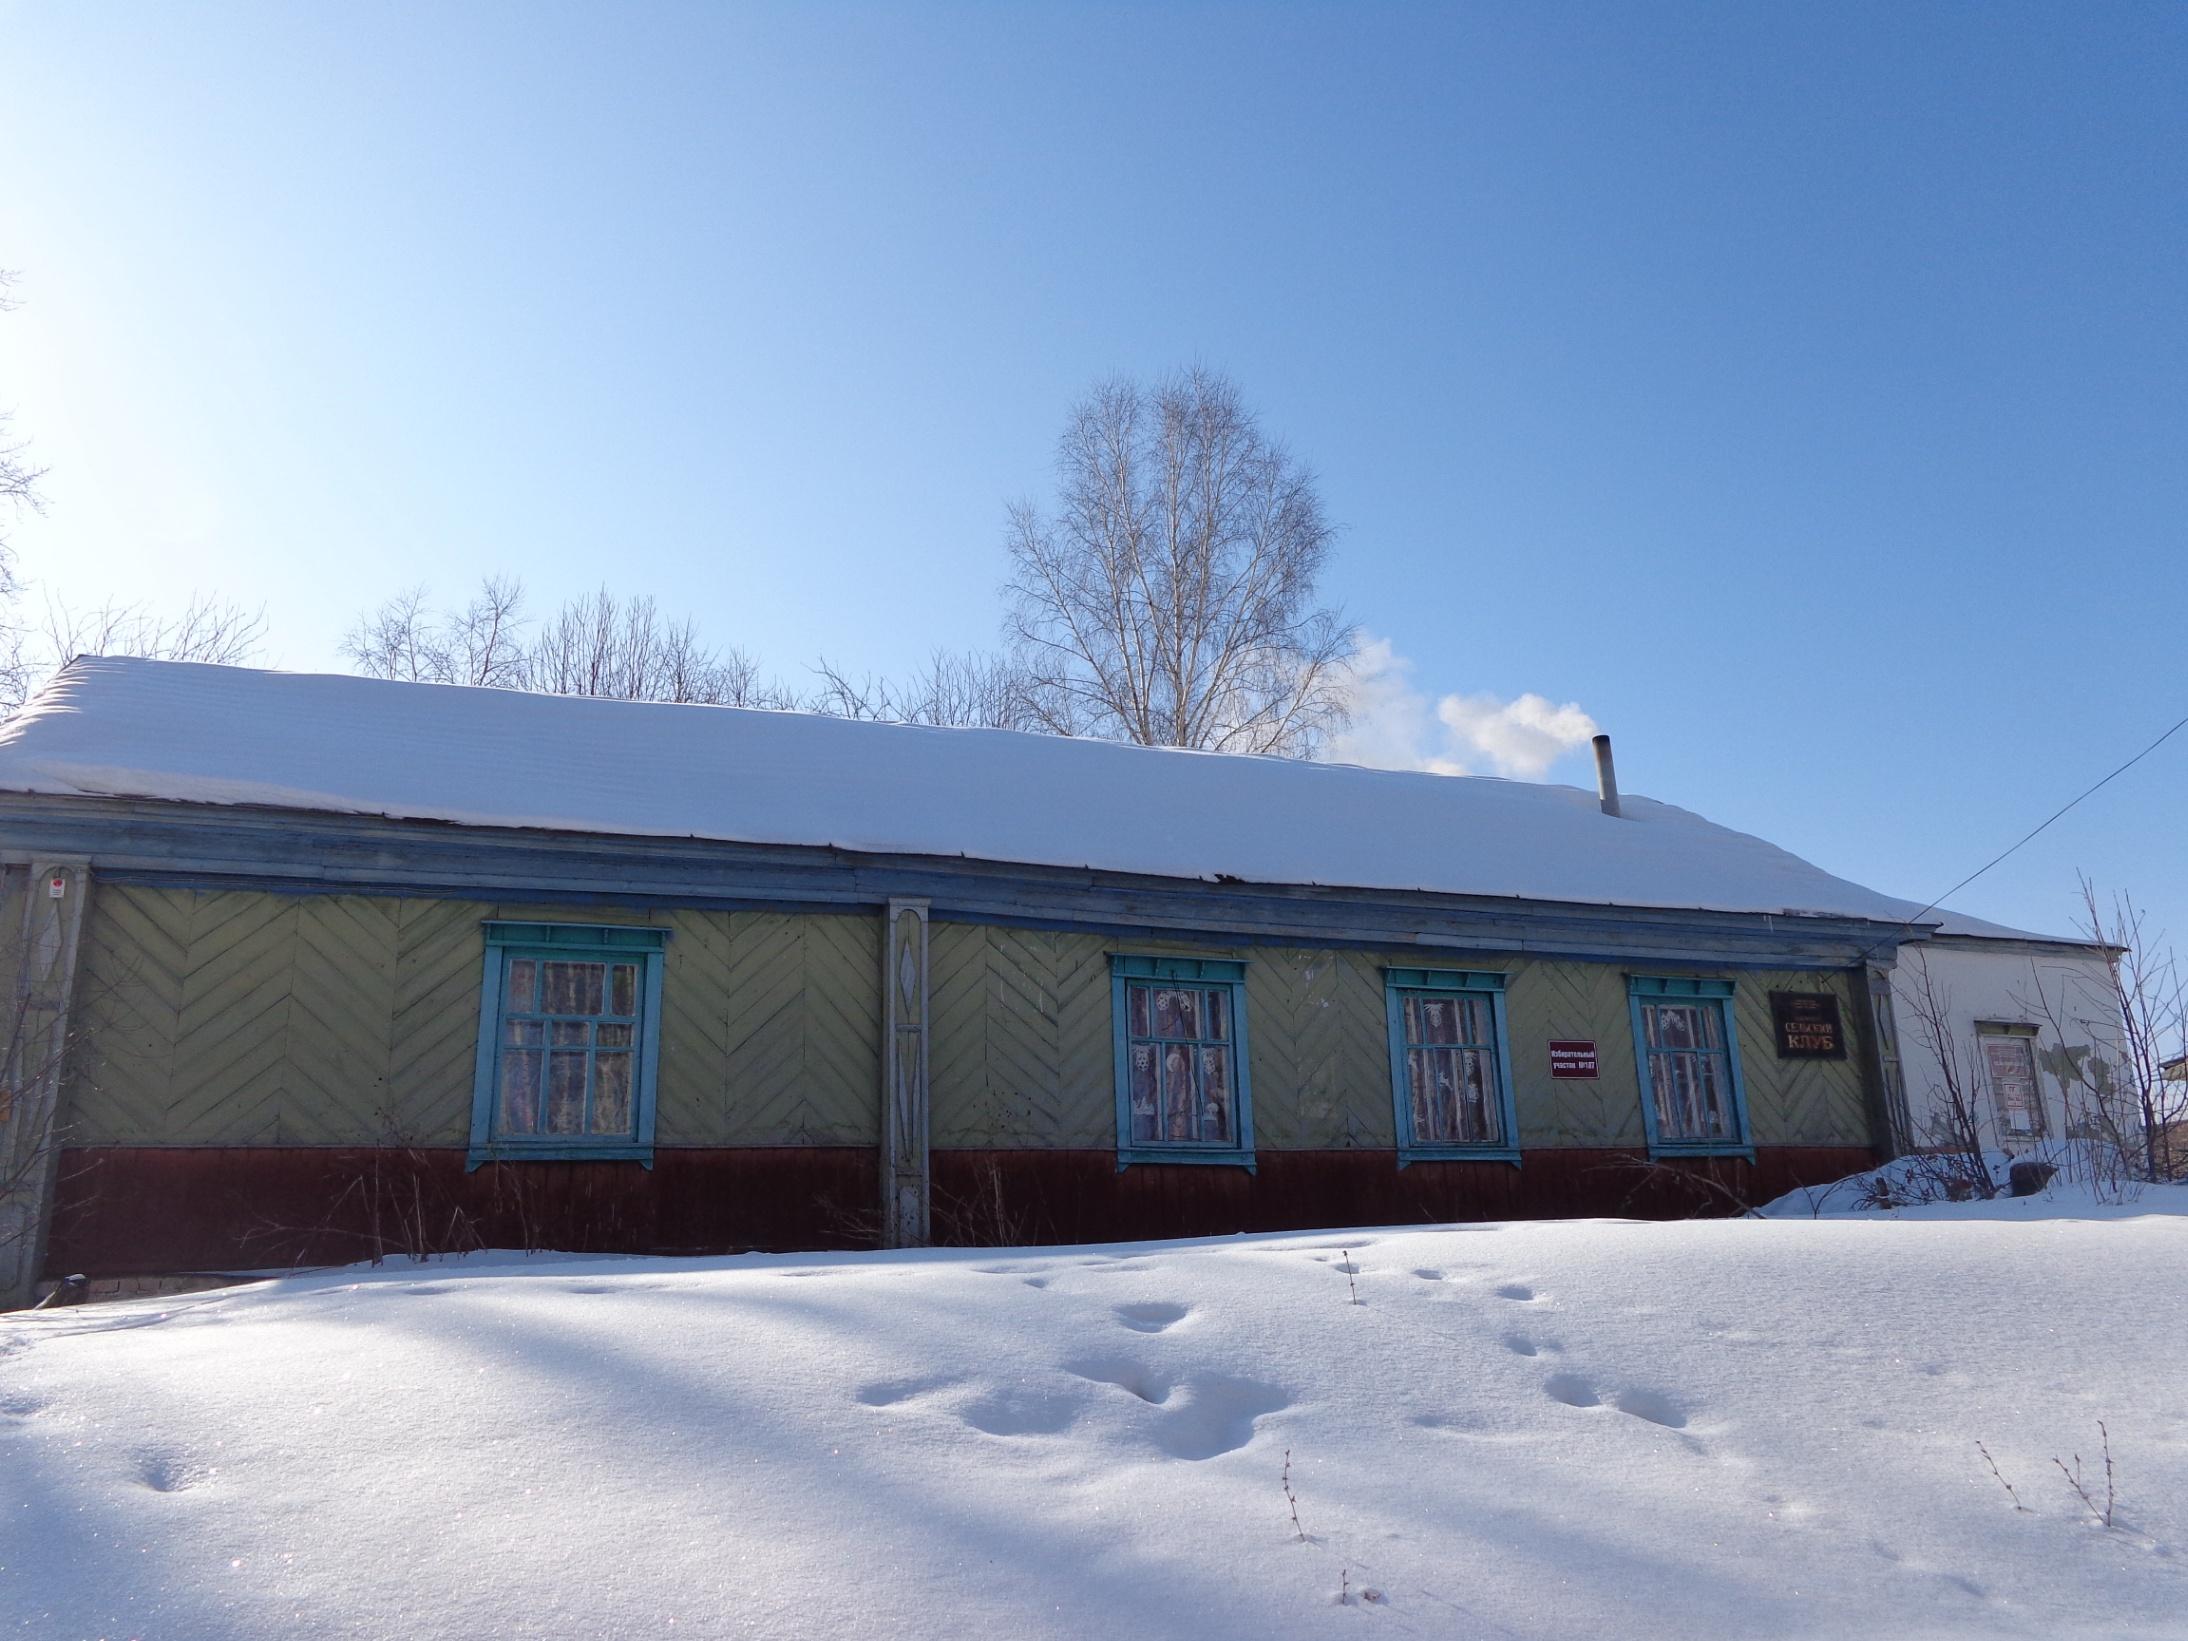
1572 1059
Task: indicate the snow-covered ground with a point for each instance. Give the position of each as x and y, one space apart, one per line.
1578 1429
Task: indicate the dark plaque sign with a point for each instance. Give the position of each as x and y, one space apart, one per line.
1572 1059
1807 1025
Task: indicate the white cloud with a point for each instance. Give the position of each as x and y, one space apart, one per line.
1395 726
1523 737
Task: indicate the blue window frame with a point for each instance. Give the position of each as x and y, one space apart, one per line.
1688 1051
569 1043
1183 1089
1450 1066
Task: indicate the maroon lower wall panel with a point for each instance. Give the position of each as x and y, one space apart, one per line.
988 1197
145 1210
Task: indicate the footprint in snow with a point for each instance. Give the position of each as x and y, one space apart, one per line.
1653 1406
1571 1389
889 1392
168 1472
1218 1416
1516 1290
1129 1377
1151 1317
1650 1406
1203 1417
1429 1274
1520 1345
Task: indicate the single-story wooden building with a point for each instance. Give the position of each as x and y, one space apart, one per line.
308 965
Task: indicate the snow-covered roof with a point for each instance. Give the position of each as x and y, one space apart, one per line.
107 727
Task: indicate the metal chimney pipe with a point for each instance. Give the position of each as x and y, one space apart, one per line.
1606 776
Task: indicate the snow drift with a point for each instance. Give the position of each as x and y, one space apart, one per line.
1557 1430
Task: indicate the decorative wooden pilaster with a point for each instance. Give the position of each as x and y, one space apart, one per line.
1884 1082
44 964
904 1078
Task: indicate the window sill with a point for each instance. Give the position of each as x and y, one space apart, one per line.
480 1155
1672 1150
1410 1154
1142 1157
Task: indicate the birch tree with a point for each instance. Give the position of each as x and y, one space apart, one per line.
1169 597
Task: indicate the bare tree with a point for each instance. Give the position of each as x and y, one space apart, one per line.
482 643
2137 1110
982 691
1170 598
598 645
18 479
399 640
18 495
485 641
1952 1159
209 629
624 649
968 689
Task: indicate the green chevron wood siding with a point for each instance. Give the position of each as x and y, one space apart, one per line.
253 1018
247 1018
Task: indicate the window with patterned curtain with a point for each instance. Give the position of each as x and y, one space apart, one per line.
1450 1078
1182 1088
1689 1062
2008 1054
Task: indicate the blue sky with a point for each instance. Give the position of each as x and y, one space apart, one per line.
1802 393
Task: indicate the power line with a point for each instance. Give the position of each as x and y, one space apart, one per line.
2047 820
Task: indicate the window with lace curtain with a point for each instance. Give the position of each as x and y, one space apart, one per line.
568 1034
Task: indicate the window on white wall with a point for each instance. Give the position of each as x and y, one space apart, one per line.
2008 1054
